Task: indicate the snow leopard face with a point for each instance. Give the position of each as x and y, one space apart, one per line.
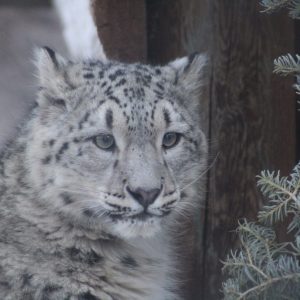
116 144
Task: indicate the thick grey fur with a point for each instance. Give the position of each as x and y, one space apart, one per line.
69 228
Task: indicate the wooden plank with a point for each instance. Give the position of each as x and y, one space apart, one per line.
252 119
122 28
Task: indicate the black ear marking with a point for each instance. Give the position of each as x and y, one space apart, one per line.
191 58
52 55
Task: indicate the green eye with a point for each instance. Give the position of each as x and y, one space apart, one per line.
104 141
171 139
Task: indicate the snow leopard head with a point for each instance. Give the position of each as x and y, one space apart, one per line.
117 144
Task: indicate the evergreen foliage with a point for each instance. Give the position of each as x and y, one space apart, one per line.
286 64
292 5
264 268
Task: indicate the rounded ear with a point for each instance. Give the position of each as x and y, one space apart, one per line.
190 79
190 71
49 64
52 76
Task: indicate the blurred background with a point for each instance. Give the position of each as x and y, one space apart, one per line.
23 26
249 114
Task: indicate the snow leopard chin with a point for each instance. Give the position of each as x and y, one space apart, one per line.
132 228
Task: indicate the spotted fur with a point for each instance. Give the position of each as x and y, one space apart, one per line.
72 225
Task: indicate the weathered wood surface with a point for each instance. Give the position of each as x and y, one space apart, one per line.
252 120
122 28
248 114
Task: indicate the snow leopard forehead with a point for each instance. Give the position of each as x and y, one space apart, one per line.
135 97
135 90
129 86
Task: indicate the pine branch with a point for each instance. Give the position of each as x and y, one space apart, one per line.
273 5
286 64
294 9
266 284
282 194
263 268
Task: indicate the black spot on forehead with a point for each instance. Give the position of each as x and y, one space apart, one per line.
123 81
115 99
108 91
100 103
63 148
167 116
83 120
116 74
46 160
109 118
51 142
88 76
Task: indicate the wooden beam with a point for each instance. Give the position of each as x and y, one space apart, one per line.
122 28
252 121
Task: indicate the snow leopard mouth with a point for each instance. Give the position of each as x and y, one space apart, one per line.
146 215
143 216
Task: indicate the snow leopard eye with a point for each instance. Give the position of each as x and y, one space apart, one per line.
171 139
104 141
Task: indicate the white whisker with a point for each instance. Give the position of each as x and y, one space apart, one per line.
203 173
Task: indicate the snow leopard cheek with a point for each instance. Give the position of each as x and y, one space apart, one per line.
183 162
90 160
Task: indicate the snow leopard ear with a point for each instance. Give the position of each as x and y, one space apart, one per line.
49 65
190 72
52 75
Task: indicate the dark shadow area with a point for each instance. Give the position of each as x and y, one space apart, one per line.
25 3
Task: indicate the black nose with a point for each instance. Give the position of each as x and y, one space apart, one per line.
144 197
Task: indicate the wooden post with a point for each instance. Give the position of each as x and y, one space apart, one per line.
252 120
122 28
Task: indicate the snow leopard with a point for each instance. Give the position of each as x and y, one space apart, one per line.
92 188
